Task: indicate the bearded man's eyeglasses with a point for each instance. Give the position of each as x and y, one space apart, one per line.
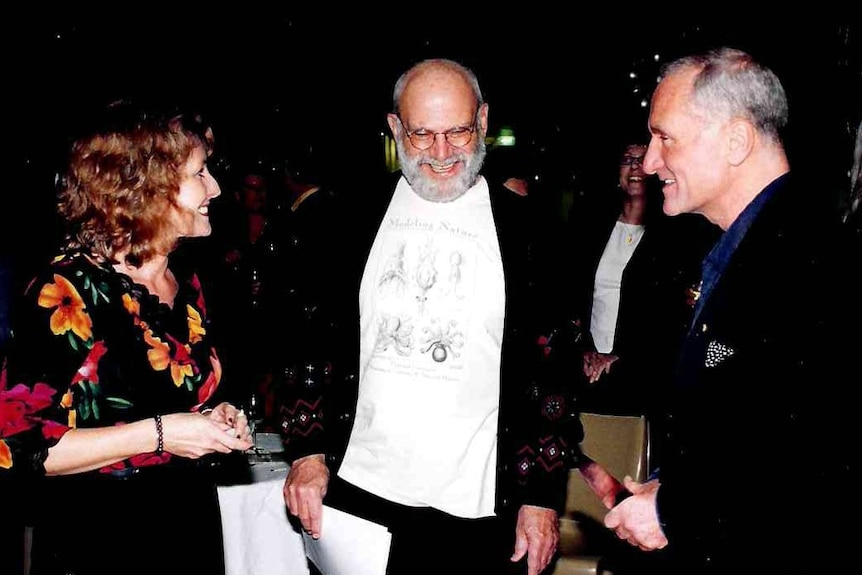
423 139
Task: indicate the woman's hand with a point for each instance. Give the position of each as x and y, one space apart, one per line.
236 418
191 435
194 435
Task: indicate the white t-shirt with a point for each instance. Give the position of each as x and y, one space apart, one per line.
609 276
431 316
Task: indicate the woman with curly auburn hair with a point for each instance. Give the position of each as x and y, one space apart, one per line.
109 400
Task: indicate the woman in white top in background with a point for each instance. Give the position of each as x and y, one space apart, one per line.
633 266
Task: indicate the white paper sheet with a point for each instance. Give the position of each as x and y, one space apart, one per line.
258 539
348 545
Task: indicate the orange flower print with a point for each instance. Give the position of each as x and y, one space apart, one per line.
196 327
179 373
5 455
132 306
160 358
182 364
160 354
70 313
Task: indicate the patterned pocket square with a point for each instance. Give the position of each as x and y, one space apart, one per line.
716 353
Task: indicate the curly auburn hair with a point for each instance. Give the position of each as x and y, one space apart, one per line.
122 181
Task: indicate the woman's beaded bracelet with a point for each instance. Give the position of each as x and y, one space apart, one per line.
161 433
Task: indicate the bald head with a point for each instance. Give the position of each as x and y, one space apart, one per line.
436 73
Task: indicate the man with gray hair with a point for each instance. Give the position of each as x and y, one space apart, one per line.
759 447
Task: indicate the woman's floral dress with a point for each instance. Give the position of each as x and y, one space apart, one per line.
94 349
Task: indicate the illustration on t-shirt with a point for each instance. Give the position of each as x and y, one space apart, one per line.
442 340
395 332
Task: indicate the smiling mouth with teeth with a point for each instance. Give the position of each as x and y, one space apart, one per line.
441 167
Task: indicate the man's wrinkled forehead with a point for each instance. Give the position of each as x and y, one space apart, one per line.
428 85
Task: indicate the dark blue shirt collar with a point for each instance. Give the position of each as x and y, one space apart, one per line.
717 259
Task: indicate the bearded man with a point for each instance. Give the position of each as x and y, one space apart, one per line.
445 429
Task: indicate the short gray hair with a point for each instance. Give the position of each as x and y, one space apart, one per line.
731 83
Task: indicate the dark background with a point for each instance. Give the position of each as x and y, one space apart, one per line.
272 81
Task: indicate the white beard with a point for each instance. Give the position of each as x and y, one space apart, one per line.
436 190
